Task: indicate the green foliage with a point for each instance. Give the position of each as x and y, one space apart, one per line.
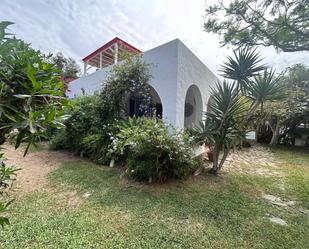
96 146
153 151
31 92
7 174
262 88
93 119
31 99
293 111
131 77
266 87
220 127
82 120
279 23
85 133
283 112
67 66
244 66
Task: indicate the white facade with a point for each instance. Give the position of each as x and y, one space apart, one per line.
180 79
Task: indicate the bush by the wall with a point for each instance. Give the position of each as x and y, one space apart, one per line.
154 151
93 119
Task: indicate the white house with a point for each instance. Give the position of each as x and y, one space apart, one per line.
180 85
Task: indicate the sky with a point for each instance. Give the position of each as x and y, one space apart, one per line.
78 27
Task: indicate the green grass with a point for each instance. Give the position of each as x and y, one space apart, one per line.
202 212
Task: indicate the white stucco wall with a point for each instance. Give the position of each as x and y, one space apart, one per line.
90 83
175 68
191 71
164 75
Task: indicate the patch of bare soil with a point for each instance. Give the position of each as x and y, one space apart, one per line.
257 160
33 172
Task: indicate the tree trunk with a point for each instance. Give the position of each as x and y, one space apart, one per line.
274 139
225 154
216 153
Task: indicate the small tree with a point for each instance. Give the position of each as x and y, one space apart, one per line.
220 129
259 85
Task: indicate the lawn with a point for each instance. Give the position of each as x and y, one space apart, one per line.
90 206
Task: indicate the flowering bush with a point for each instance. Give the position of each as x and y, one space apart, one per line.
153 150
94 119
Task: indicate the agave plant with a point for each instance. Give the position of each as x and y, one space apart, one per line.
244 66
220 128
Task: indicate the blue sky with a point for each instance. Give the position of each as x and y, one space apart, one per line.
77 27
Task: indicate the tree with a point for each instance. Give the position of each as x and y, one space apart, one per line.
131 77
220 127
260 86
280 23
67 66
31 100
266 88
295 107
234 103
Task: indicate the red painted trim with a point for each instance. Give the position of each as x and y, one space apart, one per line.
105 46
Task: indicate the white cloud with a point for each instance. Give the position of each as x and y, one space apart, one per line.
76 28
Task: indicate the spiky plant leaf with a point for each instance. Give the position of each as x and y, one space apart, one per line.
244 65
265 87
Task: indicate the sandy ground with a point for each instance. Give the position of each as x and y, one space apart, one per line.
33 172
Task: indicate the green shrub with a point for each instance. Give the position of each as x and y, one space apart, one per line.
93 119
86 133
96 146
81 121
59 141
153 150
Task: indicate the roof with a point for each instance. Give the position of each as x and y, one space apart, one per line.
108 51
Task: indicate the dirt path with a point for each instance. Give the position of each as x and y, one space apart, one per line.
34 167
257 160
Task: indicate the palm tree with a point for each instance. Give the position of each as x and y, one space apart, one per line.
244 66
220 126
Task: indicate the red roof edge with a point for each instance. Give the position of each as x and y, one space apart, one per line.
116 39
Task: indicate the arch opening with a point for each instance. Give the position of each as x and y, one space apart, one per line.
193 109
154 109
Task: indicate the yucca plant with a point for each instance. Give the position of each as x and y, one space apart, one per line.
220 128
265 87
244 66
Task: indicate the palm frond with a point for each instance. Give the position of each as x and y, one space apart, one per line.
266 87
244 65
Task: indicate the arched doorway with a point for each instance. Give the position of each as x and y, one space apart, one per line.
155 107
193 112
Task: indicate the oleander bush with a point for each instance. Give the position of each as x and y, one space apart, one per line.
154 151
